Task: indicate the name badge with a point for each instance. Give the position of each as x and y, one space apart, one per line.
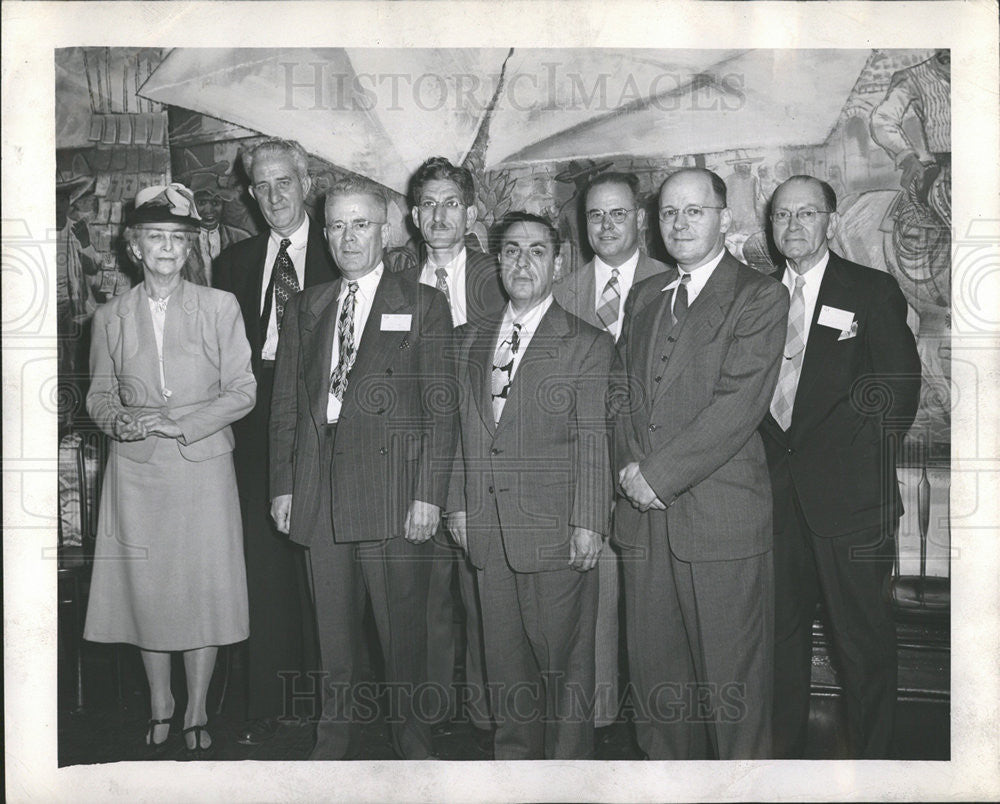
835 318
398 322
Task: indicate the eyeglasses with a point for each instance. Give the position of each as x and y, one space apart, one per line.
803 216
429 204
359 226
692 212
617 215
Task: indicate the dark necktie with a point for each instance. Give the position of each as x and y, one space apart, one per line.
286 283
679 310
345 332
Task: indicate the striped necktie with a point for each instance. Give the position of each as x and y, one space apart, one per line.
610 303
503 370
345 332
791 365
286 283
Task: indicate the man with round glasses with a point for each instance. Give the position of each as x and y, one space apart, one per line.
597 292
833 474
701 348
362 421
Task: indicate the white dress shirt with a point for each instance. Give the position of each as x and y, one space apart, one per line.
810 289
367 285
529 322
297 253
626 278
699 277
455 276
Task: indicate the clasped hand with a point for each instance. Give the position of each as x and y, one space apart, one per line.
634 486
137 426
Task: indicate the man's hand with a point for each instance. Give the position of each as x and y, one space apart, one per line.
281 512
913 170
638 491
127 427
421 521
456 523
584 549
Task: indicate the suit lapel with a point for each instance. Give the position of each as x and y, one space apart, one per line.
821 346
319 325
137 330
480 368
317 265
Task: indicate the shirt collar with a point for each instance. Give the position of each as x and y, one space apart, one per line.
366 284
699 276
626 268
451 266
299 237
814 276
530 320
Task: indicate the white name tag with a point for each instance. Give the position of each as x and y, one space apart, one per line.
399 322
836 318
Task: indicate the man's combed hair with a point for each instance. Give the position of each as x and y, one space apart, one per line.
275 146
357 185
630 180
829 194
718 185
439 168
520 216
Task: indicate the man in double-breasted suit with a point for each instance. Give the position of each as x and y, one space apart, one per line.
597 293
444 210
363 433
262 272
701 347
530 499
847 393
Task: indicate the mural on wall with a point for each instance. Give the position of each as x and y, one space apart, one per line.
534 126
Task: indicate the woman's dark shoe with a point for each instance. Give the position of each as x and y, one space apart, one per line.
152 745
198 750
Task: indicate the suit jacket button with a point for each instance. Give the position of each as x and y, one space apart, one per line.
382 450
495 451
491 489
790 451
657 379
652 428
388 372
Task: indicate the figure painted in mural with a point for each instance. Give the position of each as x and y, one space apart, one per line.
170 367
741 192
701 347
444 210
597 292
363 432
850 379
214 236
264 272
530 498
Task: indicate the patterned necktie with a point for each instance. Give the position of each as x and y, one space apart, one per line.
607 308
679 310
286 283
503 370
788 378
442 283
345 331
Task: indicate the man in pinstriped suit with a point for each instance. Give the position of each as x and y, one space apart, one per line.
363 433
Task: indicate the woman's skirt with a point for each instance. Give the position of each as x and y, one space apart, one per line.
168 560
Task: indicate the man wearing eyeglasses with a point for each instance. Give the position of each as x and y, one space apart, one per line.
701 346
363 432
597 292
444 210
263 272
831 455
530 501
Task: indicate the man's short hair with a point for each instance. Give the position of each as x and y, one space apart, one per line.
356 185
718 185
275 146
630 180
439 168
829 194
520 216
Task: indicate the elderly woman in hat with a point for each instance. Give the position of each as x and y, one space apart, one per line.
170 367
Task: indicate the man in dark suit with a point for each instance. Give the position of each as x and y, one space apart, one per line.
262 272
531 501
597 293
701 347
444 210
363 434
833 473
